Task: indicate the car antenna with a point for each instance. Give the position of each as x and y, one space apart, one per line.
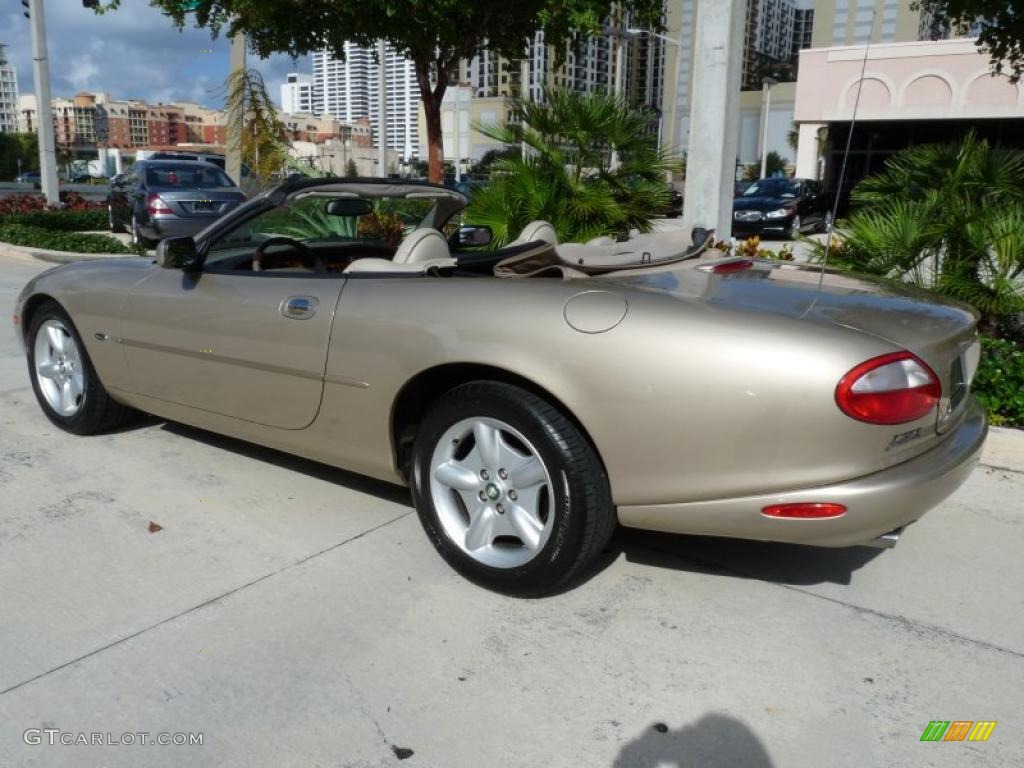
846 154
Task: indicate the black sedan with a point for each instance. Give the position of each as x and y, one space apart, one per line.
786 207
155 199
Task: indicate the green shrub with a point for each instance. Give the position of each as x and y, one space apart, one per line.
999 383
55 240
63 221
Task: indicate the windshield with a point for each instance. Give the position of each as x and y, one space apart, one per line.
186 176
310 220
784 188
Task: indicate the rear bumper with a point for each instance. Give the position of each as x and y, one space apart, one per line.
876 504
157 229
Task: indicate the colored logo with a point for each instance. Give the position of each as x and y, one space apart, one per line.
958 730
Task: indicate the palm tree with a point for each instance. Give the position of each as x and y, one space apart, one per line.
568 176
948 217
263 139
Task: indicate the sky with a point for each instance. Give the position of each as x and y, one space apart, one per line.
134 52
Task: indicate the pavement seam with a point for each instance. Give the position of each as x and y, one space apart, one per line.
205 603
909 624
1002 469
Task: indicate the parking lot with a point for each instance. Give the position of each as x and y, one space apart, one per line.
167 580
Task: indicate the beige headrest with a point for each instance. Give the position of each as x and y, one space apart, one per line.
422 245
537 230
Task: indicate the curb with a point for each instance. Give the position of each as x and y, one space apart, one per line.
57 257
1004 449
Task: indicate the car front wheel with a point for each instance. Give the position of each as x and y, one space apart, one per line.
63 378
508 489
794 228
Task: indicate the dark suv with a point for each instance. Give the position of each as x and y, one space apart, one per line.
169 198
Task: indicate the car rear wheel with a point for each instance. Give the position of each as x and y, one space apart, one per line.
113 223
63 378
826 222
509 491
137 237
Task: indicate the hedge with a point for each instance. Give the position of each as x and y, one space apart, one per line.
62 221
999 383
57 240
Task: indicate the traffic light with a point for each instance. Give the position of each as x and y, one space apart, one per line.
90 3
25 3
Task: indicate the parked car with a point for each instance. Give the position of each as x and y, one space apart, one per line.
29 177
533 397
165 198
675 205
779 206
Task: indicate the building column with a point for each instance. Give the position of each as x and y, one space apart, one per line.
807 151
714 116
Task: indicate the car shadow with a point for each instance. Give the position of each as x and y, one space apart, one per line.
759 560
396 494
714 741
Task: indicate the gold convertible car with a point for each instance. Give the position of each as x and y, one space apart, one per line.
534 396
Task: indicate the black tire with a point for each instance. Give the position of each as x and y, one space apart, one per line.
137 237
826 222
580 499
98 412
113 223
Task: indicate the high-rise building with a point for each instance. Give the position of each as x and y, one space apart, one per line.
348 90
803 25
852 22
8 95
297 94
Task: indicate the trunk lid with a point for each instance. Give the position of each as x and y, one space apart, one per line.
201 202
940 331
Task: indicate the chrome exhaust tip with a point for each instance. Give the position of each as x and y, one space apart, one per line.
886 540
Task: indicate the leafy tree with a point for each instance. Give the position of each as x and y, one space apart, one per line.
1002 27
351 170
263 139
434 34
483 166
15 147
567 176
775 163
947 217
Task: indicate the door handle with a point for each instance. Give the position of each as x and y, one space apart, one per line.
299 307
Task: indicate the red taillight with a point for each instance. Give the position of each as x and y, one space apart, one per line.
155 205
805 511
732 266
891 389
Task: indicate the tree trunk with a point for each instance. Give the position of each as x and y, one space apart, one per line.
431 98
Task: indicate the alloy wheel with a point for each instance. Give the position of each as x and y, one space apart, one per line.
492 492
59 370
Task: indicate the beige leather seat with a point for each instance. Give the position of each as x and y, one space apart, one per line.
422 245
420 250
537 230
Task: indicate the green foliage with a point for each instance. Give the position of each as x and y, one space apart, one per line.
351 169
60 221
999 383
1002 30
486 163
262 139
15 147
56 240
774 163
949 218
567 177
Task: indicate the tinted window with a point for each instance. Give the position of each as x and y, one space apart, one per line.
186 176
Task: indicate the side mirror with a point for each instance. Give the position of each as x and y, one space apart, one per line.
177 253
471 236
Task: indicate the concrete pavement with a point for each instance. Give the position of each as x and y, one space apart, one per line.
295 615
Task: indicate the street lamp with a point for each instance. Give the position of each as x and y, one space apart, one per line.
766 86
635 31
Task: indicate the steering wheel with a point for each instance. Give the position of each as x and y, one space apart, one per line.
309 259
